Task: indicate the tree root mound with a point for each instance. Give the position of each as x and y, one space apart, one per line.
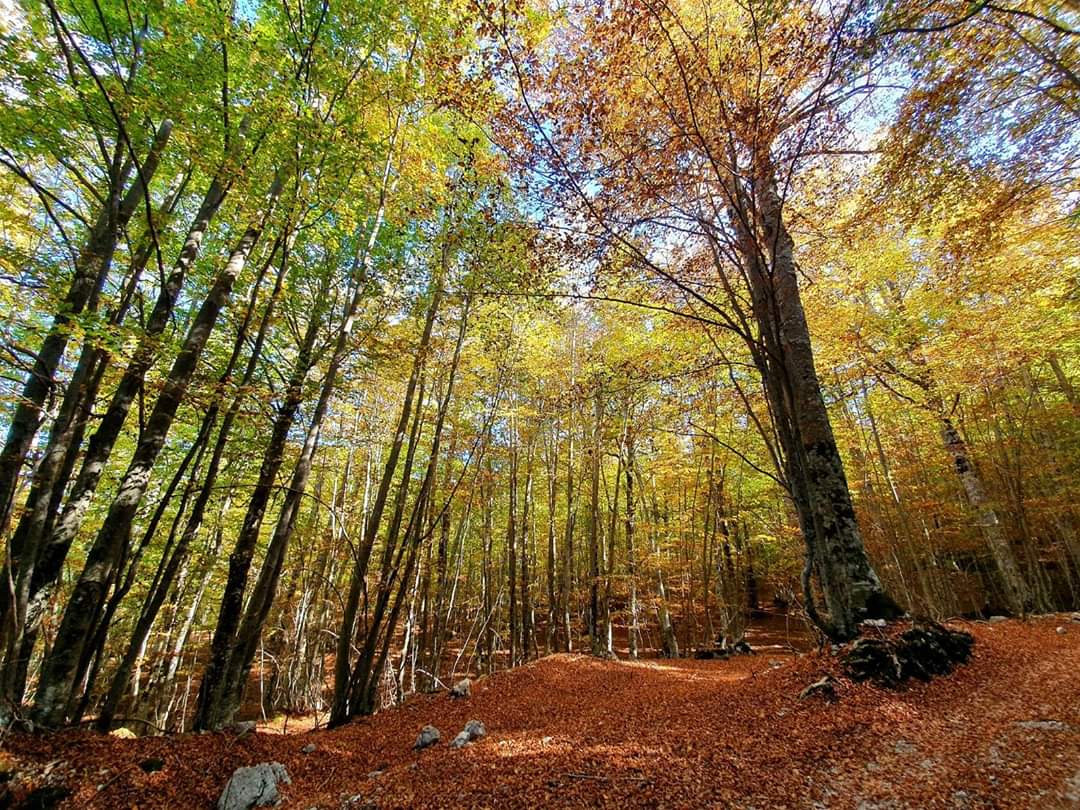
922 652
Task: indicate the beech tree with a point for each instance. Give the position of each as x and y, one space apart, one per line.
353 348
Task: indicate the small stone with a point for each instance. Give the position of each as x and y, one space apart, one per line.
254 786
1075 616
1061 630
998 619
243 727
961 798
875 623
473 730
310 748
429 735
123 733
461 689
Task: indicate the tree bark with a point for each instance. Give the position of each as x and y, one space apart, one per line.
55 549
155 598
91 270
52 701
1017 593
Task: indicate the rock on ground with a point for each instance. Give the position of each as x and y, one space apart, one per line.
254 786
429 735
473 730
461 689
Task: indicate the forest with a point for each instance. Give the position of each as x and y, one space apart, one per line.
357 351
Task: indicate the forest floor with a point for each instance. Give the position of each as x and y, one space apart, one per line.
573 731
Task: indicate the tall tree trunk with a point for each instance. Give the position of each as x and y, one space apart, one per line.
91 270
525 534
171 565
54 551
242 651
566 596
365 674
53 472
339 711
814 469
52 701
552 465
511 540
213 686
1017 592
595 640
631 553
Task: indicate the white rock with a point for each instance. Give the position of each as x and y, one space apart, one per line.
904 747
1062 631
254 786
875 622
998 619
308 749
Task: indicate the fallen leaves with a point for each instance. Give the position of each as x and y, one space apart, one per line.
571 731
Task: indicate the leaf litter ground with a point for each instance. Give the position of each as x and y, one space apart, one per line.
574 731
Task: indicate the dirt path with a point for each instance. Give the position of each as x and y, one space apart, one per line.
570 731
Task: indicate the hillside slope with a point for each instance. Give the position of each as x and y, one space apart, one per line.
572 731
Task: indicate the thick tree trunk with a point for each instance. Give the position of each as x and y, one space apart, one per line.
814 470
